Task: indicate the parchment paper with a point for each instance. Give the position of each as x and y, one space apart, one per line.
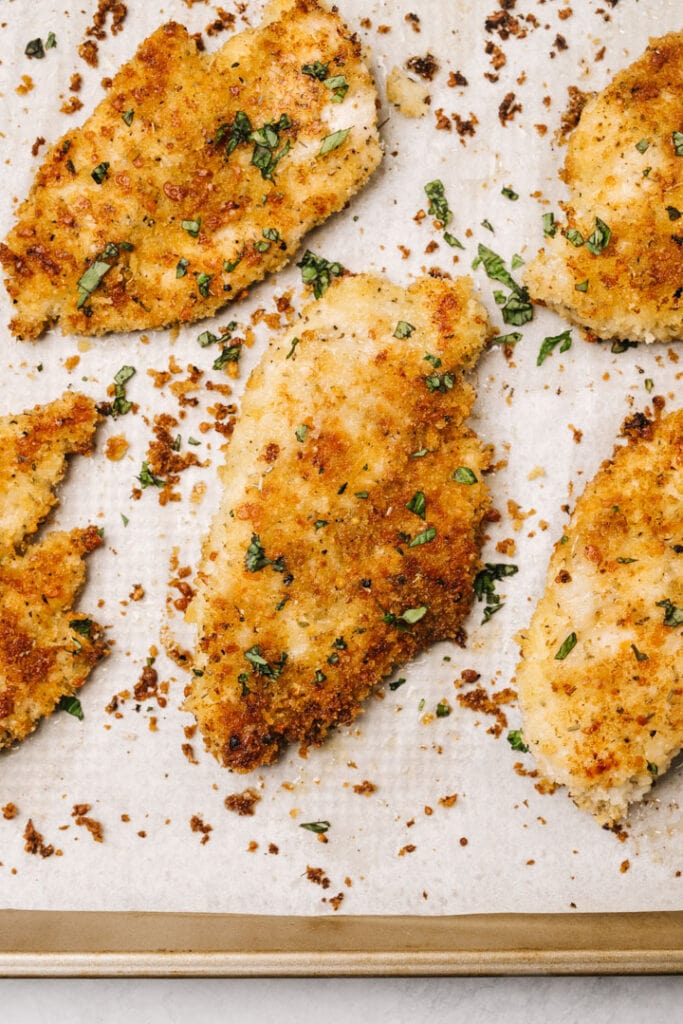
502 846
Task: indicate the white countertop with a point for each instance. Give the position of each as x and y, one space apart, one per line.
597 1000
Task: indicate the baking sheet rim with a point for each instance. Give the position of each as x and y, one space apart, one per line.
120 944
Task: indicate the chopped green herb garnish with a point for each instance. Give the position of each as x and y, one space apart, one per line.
417 504
674 214
72 706
677 138
228 354
575 237
316 70
495 267
362 494
266 140
488 225
148 479
333 141
34 48
339 644
51 41
338 86
319 676
509 194
255 558
434 360
206 338
319 523
516 741
403 329
485 585
295 342
642 145
652 768
566 647
451 240
203 282
420 454
506 339
100 172
639 654
425 537
262 667
181 267
516 261
261 245
318 272
582 286
673 616
438 204
81 626
649 384
549 225
464 475
622 346
229 265
238 131
91 280
128 116
272 234
518 310
120 406
316 826
599 238
396 683
443 709
192 226
409 617
564 340
442 382
300 432
626 561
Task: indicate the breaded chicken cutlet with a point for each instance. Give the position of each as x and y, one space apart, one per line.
601 678
46 649
194 177
350 525
616 266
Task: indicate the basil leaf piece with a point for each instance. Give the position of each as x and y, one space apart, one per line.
403 329
599 238
333 141
564 340
673 616
438 204
316 826
192 226
464 475
72 706
516 741
567 646
417 504
426 537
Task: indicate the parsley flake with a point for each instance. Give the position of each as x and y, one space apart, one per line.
485 586
203 282
181 267
599 238
677 138
642 146
516 741
464 475
148 479
575 237
127 116
426 537
316 70
417 504
319 827
300 432
509 194
438 204
338 86
192 226
549 225
673 616
100 172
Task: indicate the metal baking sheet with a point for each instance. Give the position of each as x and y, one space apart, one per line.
448 906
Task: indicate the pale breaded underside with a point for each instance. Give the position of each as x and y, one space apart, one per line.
337 434
164 131
46 649
622 167
607 718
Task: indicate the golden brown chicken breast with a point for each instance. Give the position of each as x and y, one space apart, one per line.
616 266
349 531
195 176
601 677
46 649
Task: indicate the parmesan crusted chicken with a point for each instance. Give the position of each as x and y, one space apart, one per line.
195 176
601 680
616 267
350 526
46 649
